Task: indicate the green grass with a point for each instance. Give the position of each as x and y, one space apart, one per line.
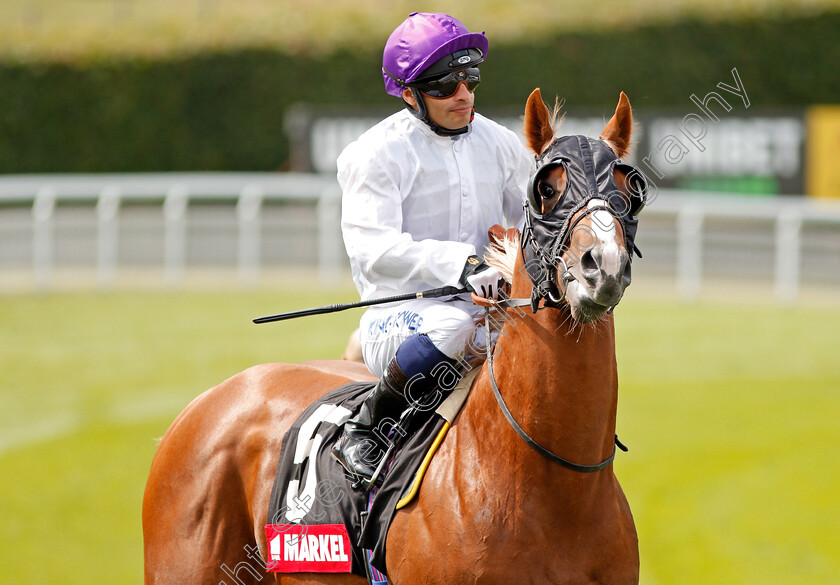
731 413
88 381
71 29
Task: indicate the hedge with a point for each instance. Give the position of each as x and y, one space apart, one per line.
225 111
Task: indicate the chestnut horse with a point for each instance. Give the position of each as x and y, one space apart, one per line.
492 509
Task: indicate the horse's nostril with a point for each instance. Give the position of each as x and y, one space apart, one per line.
588 262
627 275
589 266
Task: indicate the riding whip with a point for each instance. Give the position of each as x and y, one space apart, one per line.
426 294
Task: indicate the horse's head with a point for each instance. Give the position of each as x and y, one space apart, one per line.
581 213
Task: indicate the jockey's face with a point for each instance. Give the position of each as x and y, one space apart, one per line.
452 112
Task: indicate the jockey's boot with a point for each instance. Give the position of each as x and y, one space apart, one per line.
419 374
362 445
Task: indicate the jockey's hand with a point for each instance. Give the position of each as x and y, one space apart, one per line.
481 279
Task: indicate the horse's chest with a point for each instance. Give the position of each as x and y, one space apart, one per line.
480 533
478 520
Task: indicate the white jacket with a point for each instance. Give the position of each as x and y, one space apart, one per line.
415 205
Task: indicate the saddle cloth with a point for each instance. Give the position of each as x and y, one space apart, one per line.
315 518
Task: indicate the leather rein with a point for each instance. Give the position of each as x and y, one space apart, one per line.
581 468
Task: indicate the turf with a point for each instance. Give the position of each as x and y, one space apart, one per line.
731 413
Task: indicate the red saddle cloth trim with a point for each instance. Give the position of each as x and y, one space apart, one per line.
299 548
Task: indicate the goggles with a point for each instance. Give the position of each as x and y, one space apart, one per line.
448 84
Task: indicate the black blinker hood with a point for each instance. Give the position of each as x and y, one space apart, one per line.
589 165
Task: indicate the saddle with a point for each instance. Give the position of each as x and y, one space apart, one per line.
317 521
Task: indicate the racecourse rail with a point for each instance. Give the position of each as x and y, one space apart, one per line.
254 222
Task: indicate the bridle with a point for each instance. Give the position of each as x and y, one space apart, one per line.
545 290
542 247
591 186
542 264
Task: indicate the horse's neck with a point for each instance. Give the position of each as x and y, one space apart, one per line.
559 382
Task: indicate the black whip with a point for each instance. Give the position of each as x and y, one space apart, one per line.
426 294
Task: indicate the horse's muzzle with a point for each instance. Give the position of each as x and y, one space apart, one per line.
604 273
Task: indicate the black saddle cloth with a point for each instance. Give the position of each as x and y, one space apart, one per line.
323 495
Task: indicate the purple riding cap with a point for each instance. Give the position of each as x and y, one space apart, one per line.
421 40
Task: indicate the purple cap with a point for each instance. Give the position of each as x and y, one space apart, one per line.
420 41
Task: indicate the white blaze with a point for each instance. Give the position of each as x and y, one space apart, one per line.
603 227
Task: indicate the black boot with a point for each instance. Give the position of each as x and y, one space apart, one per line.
361 446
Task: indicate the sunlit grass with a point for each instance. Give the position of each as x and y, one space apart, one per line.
732 414
730 411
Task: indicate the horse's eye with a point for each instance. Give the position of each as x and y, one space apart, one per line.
546 191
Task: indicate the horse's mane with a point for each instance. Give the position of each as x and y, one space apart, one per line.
501 255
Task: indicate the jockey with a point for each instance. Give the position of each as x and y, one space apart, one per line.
420 190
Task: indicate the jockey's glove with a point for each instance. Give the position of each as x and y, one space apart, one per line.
485 281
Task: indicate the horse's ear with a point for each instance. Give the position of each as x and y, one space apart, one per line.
620 127
538 130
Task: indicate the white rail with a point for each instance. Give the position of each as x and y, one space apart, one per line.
786 217
175 191
783 242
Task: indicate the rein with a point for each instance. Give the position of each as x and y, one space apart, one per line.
512 421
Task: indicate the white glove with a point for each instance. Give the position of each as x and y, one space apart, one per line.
482 279
486 284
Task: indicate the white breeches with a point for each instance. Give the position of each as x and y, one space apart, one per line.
452 325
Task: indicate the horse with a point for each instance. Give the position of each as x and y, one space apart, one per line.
492 509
